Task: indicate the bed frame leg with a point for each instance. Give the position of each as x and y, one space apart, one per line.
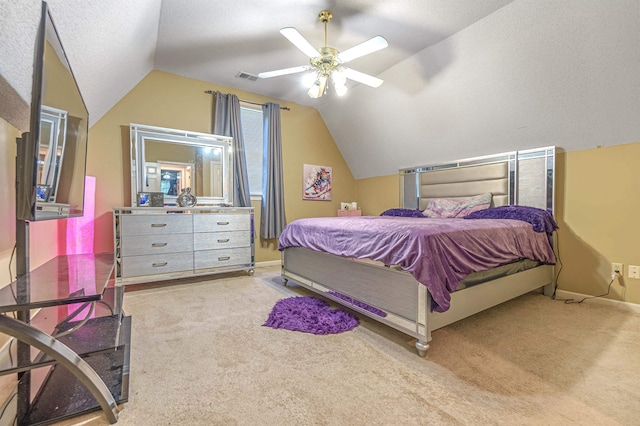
422 348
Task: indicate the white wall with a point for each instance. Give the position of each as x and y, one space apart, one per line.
534 73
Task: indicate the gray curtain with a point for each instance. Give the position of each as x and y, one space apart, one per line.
272 220
226 122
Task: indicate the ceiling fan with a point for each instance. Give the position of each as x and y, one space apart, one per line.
327 62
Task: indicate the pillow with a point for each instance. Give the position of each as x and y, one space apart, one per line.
541 220
402 213
457 207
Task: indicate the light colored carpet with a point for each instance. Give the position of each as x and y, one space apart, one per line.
200 356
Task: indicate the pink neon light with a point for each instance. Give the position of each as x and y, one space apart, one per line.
80 230
80 241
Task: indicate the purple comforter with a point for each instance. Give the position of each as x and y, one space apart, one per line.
439 253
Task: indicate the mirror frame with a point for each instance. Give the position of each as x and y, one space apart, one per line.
140 133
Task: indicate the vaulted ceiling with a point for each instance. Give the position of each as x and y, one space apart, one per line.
115 43
461 76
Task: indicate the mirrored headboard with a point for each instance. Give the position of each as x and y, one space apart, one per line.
168 160
523 178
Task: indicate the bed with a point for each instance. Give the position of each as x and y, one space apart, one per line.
417 294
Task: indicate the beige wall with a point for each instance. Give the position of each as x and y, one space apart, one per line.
8 135
168 100
43 235
597 198
378 194
597 208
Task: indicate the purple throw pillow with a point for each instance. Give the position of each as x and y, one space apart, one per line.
541 220
402 213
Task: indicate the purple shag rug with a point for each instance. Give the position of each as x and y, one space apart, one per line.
310 315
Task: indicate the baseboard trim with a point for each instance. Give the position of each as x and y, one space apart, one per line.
269 263
618 304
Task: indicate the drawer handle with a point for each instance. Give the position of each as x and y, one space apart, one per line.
220 259
226 240
158 244
159 265
158 225
223 223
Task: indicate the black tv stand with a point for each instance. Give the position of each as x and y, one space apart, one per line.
80 328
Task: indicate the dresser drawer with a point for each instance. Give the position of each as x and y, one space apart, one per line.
133 245
220 240
156 264
155 224
215 258
221 222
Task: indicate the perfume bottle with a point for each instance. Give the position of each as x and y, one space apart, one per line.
186 198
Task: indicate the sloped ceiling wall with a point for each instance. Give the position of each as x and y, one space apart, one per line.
123 32
96 35
528 75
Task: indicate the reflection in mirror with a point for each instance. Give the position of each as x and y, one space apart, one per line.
53 133
167 161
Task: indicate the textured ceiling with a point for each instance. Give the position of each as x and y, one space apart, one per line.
213 41
461 77
113 44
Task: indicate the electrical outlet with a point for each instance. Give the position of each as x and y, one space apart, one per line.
634 272
617 268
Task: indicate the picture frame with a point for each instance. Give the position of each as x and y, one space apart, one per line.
42 192
156 199
144 199
316 182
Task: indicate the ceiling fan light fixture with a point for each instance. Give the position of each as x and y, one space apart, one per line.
318 87
327 62
339 82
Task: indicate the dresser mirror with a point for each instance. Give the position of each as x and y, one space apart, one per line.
168 161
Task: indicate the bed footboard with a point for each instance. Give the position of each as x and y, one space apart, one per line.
393 292
404 301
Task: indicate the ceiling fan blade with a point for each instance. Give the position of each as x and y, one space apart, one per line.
284 71
363 78
372 45
300 42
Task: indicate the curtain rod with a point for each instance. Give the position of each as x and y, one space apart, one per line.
211 92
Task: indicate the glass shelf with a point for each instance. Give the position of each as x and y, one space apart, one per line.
63 396
98 334
61 281
71 300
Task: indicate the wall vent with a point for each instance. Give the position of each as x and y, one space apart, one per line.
246 76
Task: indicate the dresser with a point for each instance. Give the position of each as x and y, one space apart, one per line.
160 243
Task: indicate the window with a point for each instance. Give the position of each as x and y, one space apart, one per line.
251 119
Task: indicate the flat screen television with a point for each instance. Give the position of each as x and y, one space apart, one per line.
51 156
